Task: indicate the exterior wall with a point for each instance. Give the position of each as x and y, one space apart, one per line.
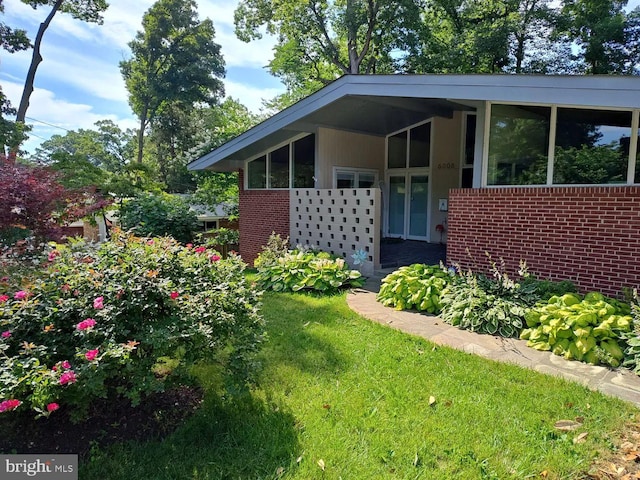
588 235
261 212
445 167
339 221
337 148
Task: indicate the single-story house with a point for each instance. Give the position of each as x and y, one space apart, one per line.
537 168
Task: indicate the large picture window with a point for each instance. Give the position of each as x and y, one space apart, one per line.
518 145
287 165
591 147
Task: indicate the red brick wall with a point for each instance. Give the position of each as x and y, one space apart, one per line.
261 212
589 235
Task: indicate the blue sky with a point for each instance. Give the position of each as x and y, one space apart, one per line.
79 81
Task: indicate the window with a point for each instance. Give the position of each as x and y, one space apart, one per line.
279 168
468 152
304 162
257 173
637 177
290 164
410 148
354 178
518 145
591 146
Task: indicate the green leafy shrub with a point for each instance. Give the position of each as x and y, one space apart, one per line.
586 329
416 286
123 319
300 270
276 247
632 338
150 214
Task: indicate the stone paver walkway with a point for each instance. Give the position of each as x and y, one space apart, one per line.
620 383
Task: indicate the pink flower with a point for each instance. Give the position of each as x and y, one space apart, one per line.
66 365
6 334
4 279
200 249
52 255
4 298
98 303
149 242
189 245
174 295
91 355
21 295
86 324
68 377
214 258
9 405
52 407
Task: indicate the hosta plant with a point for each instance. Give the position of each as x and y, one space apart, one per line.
585 328
416 286
308 270
632 338
123 319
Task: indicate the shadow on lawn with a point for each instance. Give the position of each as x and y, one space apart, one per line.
240 438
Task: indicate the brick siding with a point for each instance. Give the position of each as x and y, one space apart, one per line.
261 212
589 235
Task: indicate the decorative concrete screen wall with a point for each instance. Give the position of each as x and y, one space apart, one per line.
340 221
589 235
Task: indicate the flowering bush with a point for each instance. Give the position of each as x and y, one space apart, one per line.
123 318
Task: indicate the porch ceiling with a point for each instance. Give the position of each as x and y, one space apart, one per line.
376 115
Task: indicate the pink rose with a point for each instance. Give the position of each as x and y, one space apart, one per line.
91 355
6 334
86 324
4 298
214 258
98 303
174 295
68 377
149 242
21 295
52 407
52 255
189 245
66 365
200 249
9 405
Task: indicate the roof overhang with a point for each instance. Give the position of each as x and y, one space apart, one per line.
382 104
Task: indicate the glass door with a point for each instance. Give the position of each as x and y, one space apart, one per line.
418 206
397 192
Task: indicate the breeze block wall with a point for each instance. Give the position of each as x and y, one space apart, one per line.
589 235
261 212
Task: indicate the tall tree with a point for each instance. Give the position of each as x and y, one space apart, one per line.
318 40
85 10
175 62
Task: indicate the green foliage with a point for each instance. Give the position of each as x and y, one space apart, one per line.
416 286
586 329
300 270
632 338
123 319
222 236
158 215
276 247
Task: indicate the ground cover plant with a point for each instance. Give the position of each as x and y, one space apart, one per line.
589 328
342 397
281 269
122 320
416 286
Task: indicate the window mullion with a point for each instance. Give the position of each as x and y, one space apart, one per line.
633 147
552 143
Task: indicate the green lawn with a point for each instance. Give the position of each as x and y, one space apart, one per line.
340 391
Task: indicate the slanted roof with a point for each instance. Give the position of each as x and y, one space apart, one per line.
381 104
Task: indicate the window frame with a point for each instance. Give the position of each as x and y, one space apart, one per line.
631 160
356 171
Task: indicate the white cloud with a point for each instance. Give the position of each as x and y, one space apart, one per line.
250 96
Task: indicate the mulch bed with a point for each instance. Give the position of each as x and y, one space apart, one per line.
108 422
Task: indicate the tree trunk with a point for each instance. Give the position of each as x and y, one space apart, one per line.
143 125
35 61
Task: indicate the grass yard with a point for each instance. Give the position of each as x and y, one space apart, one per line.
342 397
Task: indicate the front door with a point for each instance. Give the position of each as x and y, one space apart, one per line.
407 213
